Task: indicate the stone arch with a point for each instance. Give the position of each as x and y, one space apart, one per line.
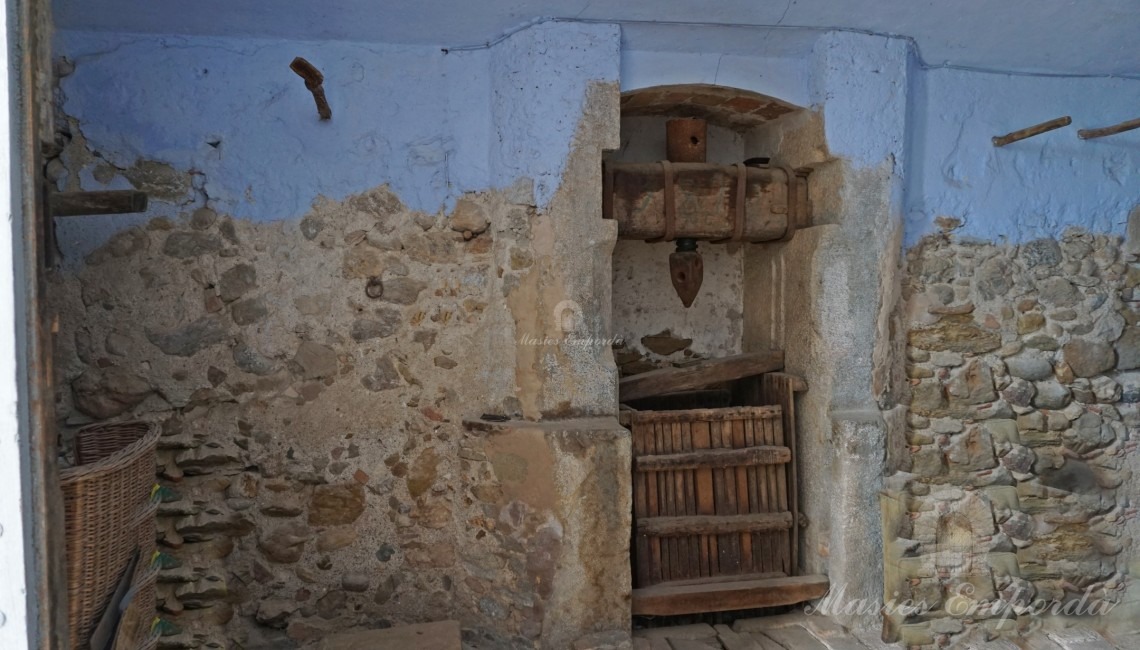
733 108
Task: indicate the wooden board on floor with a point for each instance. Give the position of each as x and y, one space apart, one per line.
669 600
699 375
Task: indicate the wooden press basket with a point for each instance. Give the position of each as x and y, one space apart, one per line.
108 515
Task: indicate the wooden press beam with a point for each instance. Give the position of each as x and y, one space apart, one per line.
722 596
74 204
699 375
705 199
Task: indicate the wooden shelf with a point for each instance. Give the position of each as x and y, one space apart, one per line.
717 595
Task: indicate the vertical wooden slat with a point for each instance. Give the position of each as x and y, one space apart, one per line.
681 544
694 563
743 504
643 576
773 563
789 421
665 490
779 472
706 504
730 544
756 506
653 501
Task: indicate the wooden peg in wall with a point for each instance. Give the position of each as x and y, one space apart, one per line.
314 81
1089 134
1029 132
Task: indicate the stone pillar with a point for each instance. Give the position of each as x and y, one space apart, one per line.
559 494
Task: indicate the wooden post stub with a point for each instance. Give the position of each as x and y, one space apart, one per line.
1089 134
314 81
686 140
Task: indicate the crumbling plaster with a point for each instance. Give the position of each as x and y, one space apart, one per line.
899 140
1029 189
313 434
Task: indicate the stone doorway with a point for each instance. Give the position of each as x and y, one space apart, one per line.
763 297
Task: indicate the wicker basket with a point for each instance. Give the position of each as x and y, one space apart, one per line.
106 500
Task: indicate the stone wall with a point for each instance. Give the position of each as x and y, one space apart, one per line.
1020 441
312 377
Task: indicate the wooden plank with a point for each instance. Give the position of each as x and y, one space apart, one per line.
642 577
76 204
654 502
788 412
742 456
699 375
681 546
753 497
729 543
694 550
775 545
725 525
743 504
665 488
670 600
704 494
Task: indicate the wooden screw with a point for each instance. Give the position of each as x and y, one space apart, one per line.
1029 132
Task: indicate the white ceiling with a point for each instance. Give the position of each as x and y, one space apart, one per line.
1056 36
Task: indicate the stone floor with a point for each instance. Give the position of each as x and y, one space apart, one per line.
801 632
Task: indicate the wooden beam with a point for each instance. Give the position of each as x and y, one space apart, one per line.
713 524
670 600
746 457
74 204
699 375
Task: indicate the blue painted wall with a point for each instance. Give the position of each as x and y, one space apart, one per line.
413 117
436 125
432 125
1029 189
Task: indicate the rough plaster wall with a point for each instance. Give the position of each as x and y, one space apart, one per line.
1029 189
1018 480
824 296
232 112
645 302
313 435
784 74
